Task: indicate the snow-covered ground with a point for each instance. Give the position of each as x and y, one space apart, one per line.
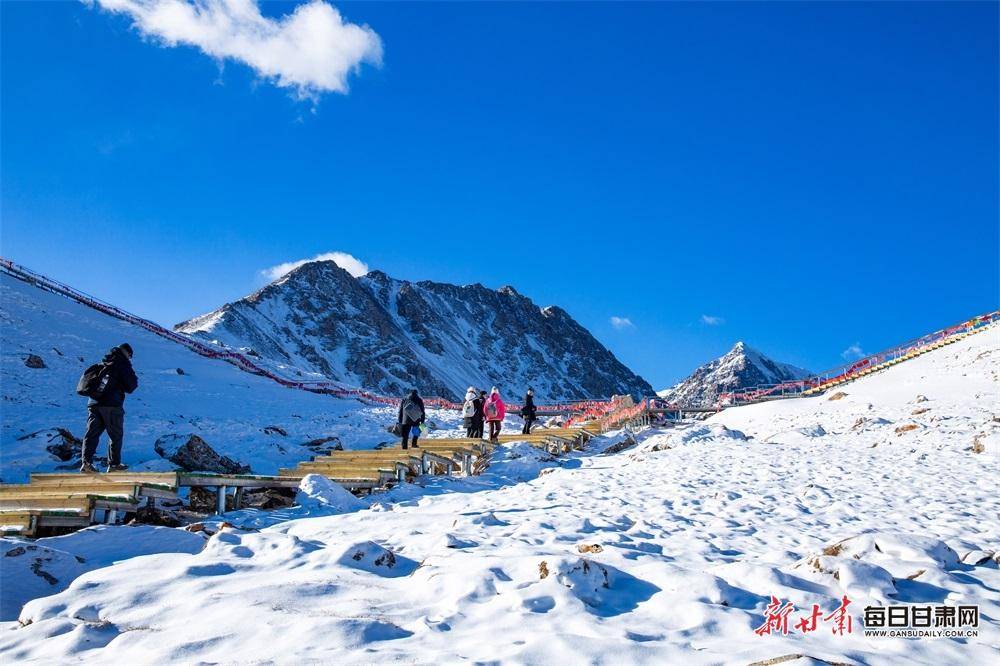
667 552
225 406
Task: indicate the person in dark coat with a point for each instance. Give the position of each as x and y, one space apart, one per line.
479 416
529 412
411 416
107 411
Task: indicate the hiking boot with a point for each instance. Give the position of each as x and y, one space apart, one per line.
414 446
117 468
88 468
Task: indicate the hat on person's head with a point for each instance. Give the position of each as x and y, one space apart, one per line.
482 393
495 390
127 348
471 389
531 390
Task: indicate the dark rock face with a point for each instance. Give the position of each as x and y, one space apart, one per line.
35 362
742 367
269 498
390 335
324 445
193 454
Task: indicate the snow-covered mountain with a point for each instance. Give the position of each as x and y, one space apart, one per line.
741 367
252 420
389 335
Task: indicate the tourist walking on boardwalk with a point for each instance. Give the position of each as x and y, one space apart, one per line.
411 416
479 418
106 384
529 412
469 412
495 410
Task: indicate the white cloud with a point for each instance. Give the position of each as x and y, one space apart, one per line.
348 262
622 323
853 352
710 320
311 51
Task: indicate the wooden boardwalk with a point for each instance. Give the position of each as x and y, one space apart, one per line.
56 503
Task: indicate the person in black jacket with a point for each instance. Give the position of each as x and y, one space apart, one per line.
106 412
479 416
529 412
411 413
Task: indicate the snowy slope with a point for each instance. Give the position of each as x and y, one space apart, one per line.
687 537
228 408
388 335
741 367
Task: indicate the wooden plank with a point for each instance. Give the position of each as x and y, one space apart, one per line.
35 490
346 472
167 479
17 522
235 481
28 504
439 459
348 483
85 487
454 453
406 459
61 520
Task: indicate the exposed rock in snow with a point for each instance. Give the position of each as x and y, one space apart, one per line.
193 454
60 442
323 445
390 335
626 442
742 367
373 558
269 498
452 541
34 362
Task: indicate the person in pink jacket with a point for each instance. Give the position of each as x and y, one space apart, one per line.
495 410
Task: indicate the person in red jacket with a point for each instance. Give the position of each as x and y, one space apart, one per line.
495 411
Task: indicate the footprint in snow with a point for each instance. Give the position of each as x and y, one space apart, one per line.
210 570
541 604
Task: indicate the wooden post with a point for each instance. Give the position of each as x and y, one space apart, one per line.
237 498
424 463
400 475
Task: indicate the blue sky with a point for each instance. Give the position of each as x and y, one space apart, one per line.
806 177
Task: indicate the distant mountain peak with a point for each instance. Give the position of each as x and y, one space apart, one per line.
388 335
741 367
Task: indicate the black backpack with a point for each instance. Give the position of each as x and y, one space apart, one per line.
412 411
92 382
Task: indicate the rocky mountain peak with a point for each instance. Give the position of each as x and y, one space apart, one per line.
388 335
741 367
